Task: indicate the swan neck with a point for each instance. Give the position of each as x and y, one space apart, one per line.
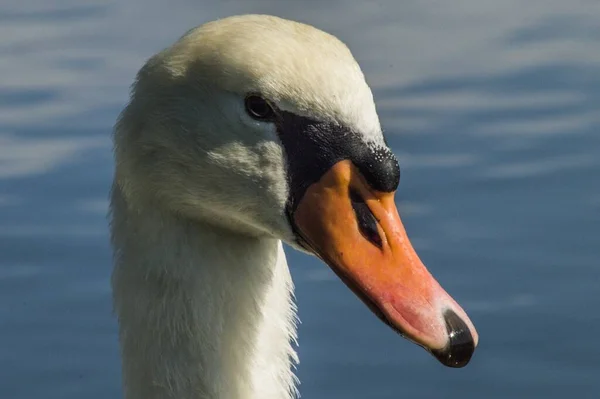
203 312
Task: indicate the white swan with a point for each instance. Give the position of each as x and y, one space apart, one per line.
250 131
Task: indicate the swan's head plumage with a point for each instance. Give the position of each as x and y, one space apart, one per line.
186 141
313 170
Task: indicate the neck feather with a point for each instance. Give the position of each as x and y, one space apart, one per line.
203 312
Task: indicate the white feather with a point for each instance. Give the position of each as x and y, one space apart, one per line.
201 285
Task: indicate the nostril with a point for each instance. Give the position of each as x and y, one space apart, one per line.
461 345
365 218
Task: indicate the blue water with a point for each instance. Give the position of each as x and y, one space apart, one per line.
493 108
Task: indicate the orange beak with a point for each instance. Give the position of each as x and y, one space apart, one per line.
358 232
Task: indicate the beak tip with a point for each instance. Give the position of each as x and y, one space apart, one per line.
461 344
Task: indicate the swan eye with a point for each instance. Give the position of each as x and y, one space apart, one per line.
258 108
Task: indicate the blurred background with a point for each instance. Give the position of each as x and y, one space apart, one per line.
493 108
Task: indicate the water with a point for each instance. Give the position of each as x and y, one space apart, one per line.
492 107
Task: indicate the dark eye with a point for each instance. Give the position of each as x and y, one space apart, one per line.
258 108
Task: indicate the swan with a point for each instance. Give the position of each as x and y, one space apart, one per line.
249 132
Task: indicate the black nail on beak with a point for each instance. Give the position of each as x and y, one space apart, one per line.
460 346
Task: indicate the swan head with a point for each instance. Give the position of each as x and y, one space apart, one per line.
267 127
